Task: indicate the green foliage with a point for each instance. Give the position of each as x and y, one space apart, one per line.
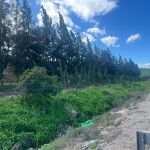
3 39
7 87
18 122
87 100
145 72
39 88
94 145
58 143
37 82
61 51
91 101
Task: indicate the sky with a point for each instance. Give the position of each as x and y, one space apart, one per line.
123 26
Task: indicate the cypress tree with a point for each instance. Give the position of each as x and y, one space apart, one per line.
3 39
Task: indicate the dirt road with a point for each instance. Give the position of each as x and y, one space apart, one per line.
9 94
123 137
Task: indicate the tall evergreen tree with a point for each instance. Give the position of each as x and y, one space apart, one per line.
26 13
15 17
49 42
60 50
3 39
22 52
64 43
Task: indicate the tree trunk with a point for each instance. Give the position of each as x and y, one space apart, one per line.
1 82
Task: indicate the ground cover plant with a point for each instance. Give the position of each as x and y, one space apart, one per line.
21 123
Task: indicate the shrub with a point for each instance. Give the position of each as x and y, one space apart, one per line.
39 88
28 127
37 82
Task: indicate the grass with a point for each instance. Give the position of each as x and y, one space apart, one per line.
69 138
145 72
19 122
93 145
91 101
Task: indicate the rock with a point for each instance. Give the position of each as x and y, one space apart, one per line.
86 144
17 146
73 113
28 142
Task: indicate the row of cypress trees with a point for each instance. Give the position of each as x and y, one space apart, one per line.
62 52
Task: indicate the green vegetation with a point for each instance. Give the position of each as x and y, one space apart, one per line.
22 123
39 88
119 93
93 145
96 100
145 72
37 82
24 45
44 110
7 87
18 122
57 144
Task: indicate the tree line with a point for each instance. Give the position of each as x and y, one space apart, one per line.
62 52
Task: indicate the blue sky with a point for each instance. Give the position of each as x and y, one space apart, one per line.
121 25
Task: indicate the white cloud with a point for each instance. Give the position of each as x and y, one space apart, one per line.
92 34
52 9
96 31
110 41
146 66
87 9
133 38
7 1
86 35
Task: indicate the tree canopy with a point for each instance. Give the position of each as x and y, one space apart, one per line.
62 52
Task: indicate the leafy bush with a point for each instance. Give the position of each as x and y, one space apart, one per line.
37 82
27 126
39 88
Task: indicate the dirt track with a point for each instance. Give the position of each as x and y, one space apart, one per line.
9 93
123 137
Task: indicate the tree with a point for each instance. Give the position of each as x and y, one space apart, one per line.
15 18
61 51
49 42
3 39
89 49
64 48
26 13
22 54
81 49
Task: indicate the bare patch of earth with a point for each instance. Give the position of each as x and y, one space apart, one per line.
9 94
133 119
